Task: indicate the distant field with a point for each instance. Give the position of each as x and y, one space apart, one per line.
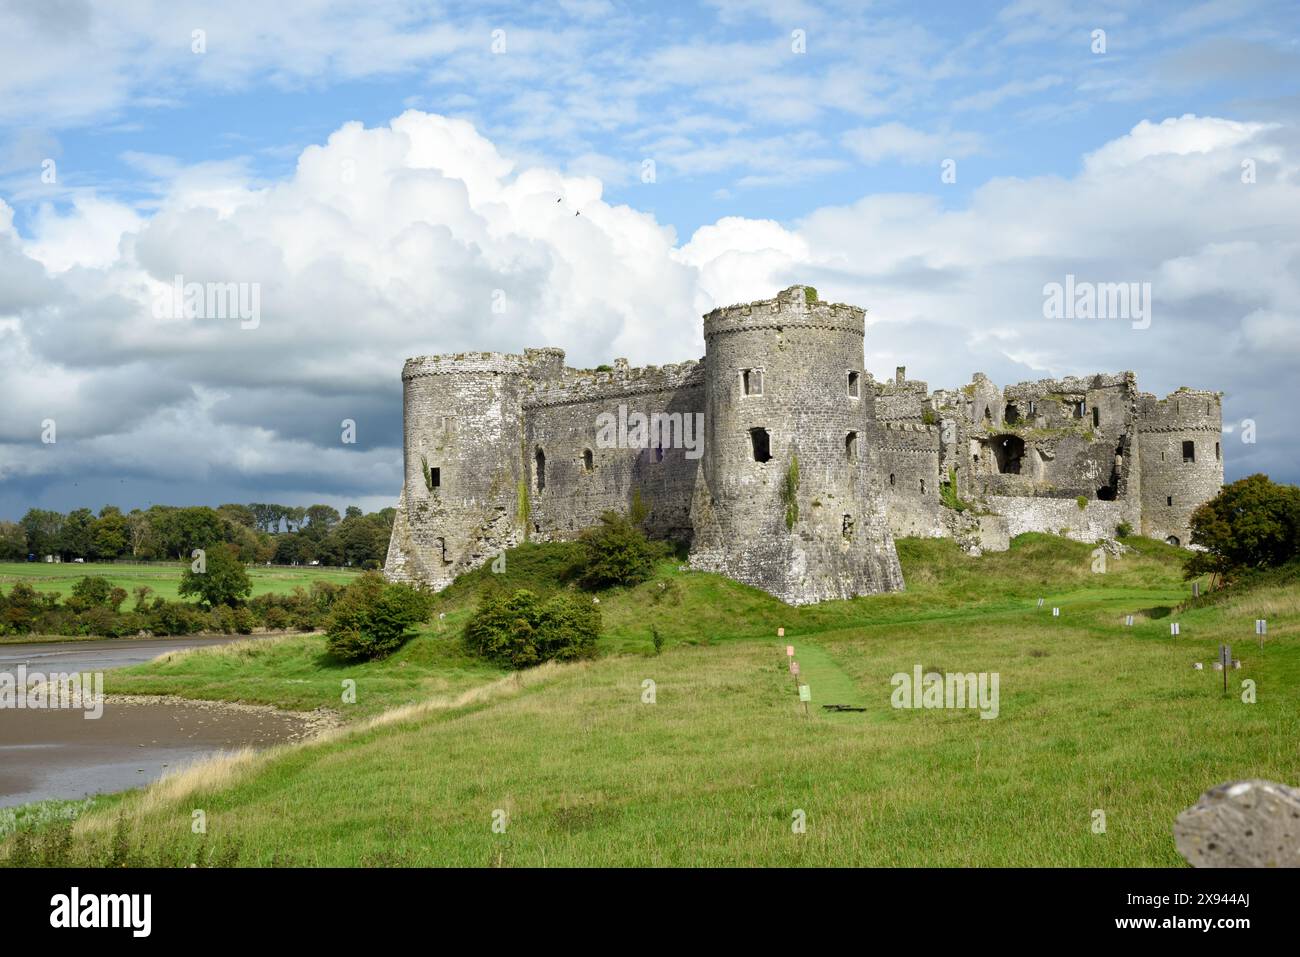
163 579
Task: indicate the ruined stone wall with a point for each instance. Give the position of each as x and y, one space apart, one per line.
1058 516
1172 488
910 478
585 474
810 356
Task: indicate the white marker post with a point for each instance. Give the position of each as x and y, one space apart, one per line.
1225 662
1261 629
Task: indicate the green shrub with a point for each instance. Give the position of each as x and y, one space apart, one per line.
90 592
1082 502
373 618
616 552
522 630
174 618
1123 530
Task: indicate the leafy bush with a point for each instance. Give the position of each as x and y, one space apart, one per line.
1123 530
175 618
1082 502
522 630
90 592
373 618
616 552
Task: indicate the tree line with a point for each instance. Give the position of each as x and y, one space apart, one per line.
259 532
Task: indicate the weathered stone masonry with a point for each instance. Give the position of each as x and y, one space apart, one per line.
499 448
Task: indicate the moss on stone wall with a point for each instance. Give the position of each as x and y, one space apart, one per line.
790 493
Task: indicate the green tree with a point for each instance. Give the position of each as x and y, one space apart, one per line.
112 534
43 529
77 540
222 580
13 541
1251 523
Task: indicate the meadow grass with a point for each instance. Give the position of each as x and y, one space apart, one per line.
1093 717
162 578
297 673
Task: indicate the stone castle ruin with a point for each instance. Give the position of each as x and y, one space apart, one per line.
779 460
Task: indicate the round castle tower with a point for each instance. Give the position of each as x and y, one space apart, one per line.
1180 459
462 464
793 505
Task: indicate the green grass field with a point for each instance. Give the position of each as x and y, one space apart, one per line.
1093 716
162 578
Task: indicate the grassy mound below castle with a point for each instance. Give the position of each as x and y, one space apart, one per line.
1093 717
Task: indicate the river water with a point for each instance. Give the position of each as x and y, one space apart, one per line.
59 753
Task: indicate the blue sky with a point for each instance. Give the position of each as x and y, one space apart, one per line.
789 142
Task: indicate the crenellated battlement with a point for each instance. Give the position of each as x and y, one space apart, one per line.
795 306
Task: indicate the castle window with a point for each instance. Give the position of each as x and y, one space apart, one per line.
761 444
435 478
988 415
1079 409
1189 451
588 460
922 486
855 388
1096 416
540 459
1008 451
1172 540
1216 452
659 453
1012 415
1033 406
847 528
751 381
1169 500
851 446
891 479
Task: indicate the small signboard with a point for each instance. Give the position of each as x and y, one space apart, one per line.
1261 626
1056 613
1040 603
789 651
1196 589
780 632
1128 620
805 693
1173 628
794 667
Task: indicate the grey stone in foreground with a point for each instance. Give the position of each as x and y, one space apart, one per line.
1242 824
